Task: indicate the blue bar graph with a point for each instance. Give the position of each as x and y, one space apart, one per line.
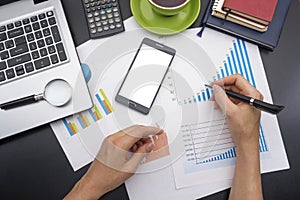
236 61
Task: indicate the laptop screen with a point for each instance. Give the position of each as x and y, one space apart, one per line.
3 2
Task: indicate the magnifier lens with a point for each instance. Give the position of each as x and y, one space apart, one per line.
58 92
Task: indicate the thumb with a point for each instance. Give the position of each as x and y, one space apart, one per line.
222 99
138 156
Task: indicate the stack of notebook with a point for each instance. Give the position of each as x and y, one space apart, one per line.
255 14
258 21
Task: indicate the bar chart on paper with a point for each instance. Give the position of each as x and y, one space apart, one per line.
211 141
102 107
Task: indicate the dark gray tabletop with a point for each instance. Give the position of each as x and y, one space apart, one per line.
33 165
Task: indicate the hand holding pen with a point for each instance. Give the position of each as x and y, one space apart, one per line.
238 95
244 125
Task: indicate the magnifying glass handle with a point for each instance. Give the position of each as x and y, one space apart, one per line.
21 102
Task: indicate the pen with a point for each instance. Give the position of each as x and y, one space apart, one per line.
261 105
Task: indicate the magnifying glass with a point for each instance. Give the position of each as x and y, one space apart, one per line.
57 93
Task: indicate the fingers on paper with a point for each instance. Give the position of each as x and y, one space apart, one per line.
222 100
132 137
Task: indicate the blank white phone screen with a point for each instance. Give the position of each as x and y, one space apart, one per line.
145 75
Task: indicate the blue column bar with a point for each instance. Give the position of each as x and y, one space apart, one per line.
222 72
219 77
101 103
92 114
81 122
199 97
233 59
243 60
260 142
263 138
208 94
195 100
230 66
203 96
249 64
67 126
226 69
238 59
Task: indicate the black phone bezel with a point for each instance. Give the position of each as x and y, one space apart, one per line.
135 105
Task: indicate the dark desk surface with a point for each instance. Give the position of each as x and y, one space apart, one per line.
33 165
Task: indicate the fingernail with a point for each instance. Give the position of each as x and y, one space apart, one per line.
149 147
216 88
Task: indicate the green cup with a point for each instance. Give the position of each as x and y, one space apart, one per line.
168 10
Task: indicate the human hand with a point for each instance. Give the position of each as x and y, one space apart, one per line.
113 165
243 119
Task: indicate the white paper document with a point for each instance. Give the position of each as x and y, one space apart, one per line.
196 156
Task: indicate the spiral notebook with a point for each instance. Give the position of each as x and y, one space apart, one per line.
268 39
217 10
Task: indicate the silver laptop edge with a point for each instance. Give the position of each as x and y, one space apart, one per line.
22 118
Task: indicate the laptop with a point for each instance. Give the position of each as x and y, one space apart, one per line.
36 47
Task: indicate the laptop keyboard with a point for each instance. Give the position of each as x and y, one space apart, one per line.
30 45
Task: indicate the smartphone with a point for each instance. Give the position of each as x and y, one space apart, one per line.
145 75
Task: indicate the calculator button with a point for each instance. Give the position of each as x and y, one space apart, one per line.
98 23
106 28
104 22
116 14
102 12
97 19
117 19
91 20
92 25
99 29
112 26
109 16
93 31
118 25
109 10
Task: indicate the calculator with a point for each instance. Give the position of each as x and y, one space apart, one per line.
103 17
